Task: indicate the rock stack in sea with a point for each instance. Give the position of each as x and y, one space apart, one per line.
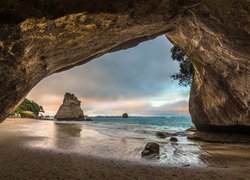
88 119
70 109
125 115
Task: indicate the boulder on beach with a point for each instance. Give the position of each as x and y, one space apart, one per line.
152 149
125 115
173 139
161 134
88 119
70 109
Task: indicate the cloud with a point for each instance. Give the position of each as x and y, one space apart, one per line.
135 107
133 75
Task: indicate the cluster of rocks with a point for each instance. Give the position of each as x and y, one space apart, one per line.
152 149
163 135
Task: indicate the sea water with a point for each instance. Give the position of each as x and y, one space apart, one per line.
117 138
133 133
138 127
119 141
166 123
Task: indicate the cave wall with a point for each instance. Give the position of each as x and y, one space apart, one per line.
42 37
38 40
216 37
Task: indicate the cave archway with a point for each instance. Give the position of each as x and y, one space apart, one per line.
136 81
36 42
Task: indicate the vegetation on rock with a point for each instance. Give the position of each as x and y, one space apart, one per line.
185 74
29 109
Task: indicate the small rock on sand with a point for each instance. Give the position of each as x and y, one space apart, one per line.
173 139
152 149
161 134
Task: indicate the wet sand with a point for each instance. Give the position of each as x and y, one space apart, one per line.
31 149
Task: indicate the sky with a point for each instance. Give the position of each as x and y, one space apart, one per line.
136 81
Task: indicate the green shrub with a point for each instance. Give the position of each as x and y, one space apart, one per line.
28 106
28 114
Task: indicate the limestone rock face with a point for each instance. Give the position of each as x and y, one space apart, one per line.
70 109
216 37
39 38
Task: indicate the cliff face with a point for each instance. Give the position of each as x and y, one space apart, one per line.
216 37
42 37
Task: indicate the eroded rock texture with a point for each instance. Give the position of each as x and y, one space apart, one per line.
215 35
42 37
70 109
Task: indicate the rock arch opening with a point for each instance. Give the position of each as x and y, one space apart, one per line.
136 81
37 43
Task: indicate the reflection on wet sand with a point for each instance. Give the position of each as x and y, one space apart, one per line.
101 142
225 155
64 130
65 135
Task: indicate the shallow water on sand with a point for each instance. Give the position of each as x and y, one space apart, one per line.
93 139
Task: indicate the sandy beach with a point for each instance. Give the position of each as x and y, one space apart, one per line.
32 149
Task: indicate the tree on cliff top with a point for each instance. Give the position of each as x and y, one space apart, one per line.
29 106
185 74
